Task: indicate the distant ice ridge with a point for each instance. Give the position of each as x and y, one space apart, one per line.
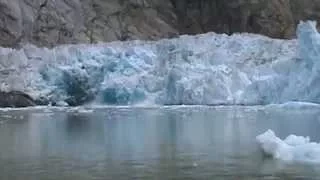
293 148
207 69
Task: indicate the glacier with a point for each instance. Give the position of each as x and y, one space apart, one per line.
206 69
293 148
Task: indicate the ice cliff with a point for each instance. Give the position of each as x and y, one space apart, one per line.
208 69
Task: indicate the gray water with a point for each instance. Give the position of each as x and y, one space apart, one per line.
149 143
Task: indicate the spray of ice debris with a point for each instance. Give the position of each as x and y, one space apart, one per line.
293 148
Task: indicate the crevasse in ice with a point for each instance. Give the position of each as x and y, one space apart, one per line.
207 69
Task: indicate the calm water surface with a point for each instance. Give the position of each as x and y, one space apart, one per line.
155 143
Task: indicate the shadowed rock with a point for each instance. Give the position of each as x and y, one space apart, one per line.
15 99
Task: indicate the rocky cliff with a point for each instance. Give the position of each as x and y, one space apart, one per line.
52 22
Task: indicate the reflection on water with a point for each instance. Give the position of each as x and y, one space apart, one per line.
164 143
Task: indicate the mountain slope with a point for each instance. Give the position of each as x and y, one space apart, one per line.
52 22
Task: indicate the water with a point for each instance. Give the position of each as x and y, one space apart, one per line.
149 143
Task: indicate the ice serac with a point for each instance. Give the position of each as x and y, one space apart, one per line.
293 148
207 69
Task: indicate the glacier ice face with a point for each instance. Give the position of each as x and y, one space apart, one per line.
207 69
293 148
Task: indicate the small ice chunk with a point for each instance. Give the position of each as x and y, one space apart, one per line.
293 148
62 104
274 146
85 111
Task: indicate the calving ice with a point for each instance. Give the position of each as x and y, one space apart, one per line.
293 148
208 69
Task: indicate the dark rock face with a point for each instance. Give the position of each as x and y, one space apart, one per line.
49 22
15 99
270 17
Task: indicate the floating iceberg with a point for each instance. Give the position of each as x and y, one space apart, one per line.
293 106
207 69
293 148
